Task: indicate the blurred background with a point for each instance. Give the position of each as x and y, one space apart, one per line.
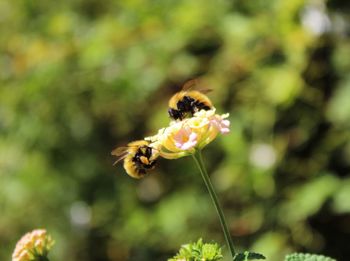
79 78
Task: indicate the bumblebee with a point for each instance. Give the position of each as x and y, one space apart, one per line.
185 103
138 158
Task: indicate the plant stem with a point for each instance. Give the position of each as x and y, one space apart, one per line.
197 156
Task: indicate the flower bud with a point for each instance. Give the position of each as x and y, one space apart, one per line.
32 246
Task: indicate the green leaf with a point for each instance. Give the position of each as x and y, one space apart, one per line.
247 256
307 257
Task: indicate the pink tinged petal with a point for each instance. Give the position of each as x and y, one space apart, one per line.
225 126
185 139
220 124
193 137
192 141
188 145
215 123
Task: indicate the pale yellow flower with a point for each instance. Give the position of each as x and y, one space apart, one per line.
32 245
182 138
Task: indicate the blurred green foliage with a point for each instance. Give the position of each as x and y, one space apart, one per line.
81 77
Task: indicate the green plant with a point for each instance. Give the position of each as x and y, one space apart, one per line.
307 257
198 251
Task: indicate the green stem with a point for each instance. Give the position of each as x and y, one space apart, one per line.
197 156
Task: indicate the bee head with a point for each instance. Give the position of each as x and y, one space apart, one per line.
175 114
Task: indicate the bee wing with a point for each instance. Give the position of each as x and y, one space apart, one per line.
119 151
194 84
120 159
205 90
190 84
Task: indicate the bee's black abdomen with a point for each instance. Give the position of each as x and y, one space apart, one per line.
187 106
201 106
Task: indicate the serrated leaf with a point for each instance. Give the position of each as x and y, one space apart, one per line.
253 255
307 257
248 256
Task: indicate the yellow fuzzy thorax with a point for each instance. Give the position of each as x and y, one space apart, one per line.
196 95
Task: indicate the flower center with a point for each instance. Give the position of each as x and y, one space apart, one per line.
185 138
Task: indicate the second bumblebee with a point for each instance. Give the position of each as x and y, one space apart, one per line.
185 103
138 158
